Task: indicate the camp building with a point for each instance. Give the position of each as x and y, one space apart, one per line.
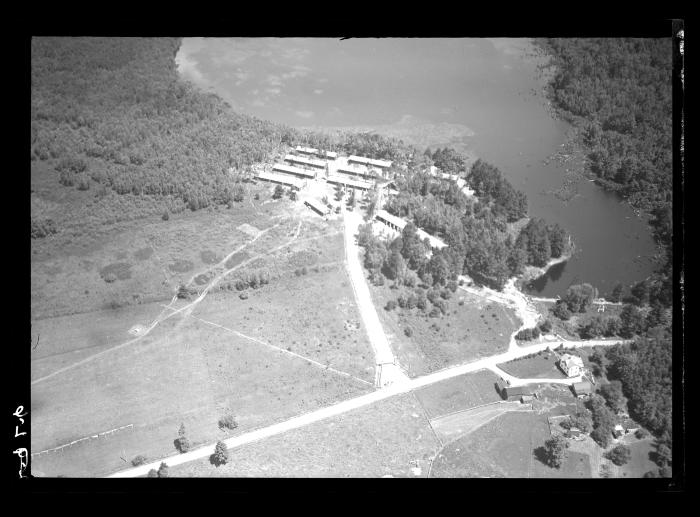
296 171
282 179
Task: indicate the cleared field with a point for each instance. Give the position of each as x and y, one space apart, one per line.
459 393
470 330
186 371
504 447
453 426
136 261
541 366
391 437
313 315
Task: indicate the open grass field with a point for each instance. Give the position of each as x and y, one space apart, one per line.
186 371
137 261
459 393
391 437
451 427
474 329
504 447
541 366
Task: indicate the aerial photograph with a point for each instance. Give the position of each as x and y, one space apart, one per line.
315 257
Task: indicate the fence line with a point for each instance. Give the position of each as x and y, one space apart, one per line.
92 437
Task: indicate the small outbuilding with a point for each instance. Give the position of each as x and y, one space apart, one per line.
618 431
517 392
582 389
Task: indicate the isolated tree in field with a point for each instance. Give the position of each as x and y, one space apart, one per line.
555 451
182 443
278 192
163 470
619 455
153 473
292 194
138 460
220 455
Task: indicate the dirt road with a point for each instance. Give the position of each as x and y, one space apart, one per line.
388 371
388 391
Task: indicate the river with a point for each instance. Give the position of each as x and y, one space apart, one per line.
488 92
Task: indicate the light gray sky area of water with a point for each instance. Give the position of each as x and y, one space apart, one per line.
486 91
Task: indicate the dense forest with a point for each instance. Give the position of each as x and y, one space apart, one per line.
112 114
618 92
482 242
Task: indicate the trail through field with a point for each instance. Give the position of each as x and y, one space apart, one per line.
313 362
185 310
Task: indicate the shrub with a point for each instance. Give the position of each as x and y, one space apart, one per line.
524 335
445 294
227 422
163 470
561 311
243 296
434 313
278 192
110 277
152 473
641 433
546 326
390 305
42 228
402 301
452 286
408 331
165 215
139 460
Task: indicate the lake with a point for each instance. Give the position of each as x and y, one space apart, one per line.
488 91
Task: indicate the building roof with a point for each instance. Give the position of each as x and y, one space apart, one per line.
349 181
350 170
304 160
386 216
281 178
434 241
311 150
370 161
293 170
583 387
569 360
518 391
317 205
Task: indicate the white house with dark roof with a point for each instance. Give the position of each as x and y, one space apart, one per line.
571 365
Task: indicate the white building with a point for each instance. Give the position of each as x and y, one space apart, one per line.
572 365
